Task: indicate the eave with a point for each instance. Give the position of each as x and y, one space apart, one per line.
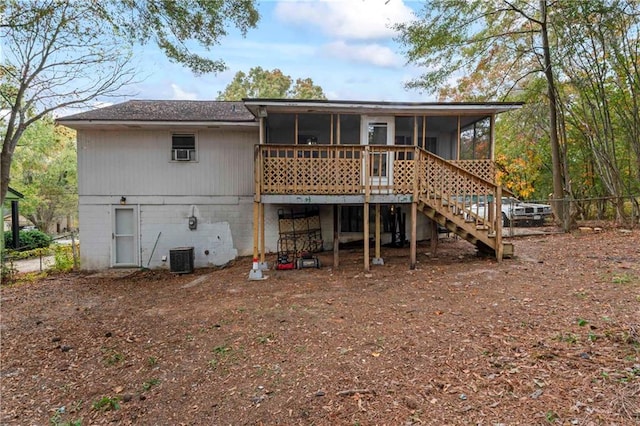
129 125
258 107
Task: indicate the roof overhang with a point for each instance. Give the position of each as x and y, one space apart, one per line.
129 125
262 107
12 194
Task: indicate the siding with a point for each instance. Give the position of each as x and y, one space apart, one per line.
137 162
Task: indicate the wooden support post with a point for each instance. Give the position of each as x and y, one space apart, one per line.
498 225
337 210
414 210
256 226
434 237
367 196
365 218
262 241
458 141
378 230
413 243
377 260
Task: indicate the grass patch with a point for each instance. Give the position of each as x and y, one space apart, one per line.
222 356
107 403
111 356
150 383
625 278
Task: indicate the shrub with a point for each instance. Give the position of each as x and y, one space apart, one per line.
63 256
30 239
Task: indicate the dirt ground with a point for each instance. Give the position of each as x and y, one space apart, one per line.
549 337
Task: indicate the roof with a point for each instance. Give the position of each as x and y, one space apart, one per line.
158 111
374 107
12 194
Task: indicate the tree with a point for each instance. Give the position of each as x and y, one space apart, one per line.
45 171
260 83
505 42
601 96
65 53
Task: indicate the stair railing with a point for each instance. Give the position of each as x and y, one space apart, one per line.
448 186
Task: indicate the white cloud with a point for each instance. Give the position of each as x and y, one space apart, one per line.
183 95
373 54
63 112
348 19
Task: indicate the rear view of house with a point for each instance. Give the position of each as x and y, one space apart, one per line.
222 176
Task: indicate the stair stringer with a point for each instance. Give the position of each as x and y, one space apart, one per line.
456 223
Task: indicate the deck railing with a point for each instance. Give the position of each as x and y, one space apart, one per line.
349 169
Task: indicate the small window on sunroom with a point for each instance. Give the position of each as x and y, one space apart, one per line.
183 147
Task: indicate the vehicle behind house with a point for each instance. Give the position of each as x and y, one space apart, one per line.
517 212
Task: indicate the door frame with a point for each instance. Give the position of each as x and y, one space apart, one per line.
390 121
135 236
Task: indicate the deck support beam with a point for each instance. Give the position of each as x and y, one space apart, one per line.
256 272
365 235
377 260
414 229
263 264
337 212
498 226
434 237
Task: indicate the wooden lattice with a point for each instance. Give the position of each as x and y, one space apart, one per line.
482 168
337 170
403 176
295 175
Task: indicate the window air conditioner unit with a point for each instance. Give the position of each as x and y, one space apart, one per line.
182 154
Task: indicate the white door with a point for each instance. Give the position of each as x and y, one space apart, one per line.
125 247
378 131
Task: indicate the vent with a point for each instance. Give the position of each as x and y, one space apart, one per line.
181 260
182 154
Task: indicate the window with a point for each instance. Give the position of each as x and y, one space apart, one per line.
183 147
475 140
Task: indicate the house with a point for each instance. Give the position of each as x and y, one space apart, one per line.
248 178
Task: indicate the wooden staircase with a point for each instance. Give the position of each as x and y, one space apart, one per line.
446 194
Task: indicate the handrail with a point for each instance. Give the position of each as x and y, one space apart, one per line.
446 185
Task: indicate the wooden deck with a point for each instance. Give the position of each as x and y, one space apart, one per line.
443 190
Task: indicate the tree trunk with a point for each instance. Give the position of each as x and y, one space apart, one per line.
556 161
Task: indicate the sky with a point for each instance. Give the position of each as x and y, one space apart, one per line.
345 46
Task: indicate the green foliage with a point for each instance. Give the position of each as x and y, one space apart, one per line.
107 403
150 383
56 419
63 258
498 50
68 53
111 356
171 24
7 272
45 171
261 83
29 240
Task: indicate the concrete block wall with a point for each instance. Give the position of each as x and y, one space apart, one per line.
224 230
95 236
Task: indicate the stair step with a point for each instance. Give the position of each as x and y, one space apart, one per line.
474 231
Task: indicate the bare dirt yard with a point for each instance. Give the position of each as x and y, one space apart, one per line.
549 337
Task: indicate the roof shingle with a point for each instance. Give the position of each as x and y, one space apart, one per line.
152 110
